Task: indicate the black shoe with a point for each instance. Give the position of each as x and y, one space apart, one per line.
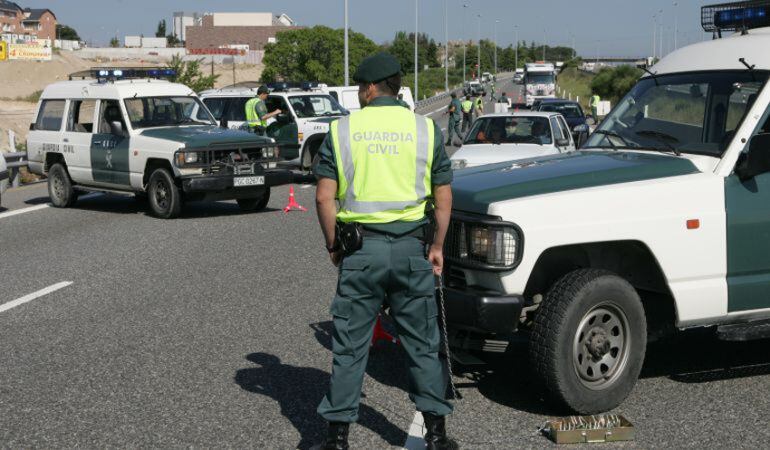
435 434
336 437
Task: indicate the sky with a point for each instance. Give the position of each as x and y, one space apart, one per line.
604 27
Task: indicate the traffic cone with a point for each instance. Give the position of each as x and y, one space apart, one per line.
293 205
380 334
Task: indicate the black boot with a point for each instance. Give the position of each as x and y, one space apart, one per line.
336 437
435 434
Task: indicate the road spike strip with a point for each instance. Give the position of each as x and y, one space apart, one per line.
293 205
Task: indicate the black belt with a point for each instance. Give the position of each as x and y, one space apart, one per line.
418 232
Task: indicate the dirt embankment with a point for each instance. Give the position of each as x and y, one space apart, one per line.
21 80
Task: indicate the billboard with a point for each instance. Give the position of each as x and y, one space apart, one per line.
29 52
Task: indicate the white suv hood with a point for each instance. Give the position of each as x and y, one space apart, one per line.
479 154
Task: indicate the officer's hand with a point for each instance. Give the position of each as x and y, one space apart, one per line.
336 258
436 258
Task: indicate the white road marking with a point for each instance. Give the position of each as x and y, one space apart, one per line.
16 212
415 439
34 295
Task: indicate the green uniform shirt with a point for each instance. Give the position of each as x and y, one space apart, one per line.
457 115
261 109
441 172
404 104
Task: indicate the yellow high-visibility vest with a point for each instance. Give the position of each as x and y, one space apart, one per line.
251 113
384 156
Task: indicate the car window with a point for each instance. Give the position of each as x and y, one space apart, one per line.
148 112
564 128
557 131
215 105
109 112
510 130
273 103
316 105
568 110
236 109
50 116
81 116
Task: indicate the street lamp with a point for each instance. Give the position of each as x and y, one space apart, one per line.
446 49
347 64
545 38
465 16
416 65
516 29
496 22
478 69
676 26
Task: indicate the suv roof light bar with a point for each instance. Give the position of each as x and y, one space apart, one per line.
103 74
735 16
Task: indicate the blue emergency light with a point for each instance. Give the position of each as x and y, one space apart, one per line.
736 16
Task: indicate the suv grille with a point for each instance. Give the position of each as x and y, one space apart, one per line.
233 161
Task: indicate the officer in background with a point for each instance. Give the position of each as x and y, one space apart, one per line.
593 103
454 111
467 109
383 164
478 105
256 112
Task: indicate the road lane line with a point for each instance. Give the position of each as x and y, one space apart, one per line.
34 295
415 439
43 206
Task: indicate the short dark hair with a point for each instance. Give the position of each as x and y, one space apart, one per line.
390 85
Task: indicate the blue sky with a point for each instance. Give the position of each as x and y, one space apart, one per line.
611 27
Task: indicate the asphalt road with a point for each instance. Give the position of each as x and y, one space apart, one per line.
213 330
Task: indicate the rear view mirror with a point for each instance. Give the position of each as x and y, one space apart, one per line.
562 142
757 160
116 128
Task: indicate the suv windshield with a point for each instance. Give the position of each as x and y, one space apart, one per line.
148 112
688 113
510 130
568 110
319 105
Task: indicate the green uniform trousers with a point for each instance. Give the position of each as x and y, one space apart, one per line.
392 269
453 128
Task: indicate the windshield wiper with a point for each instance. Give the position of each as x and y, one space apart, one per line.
608 134
663 138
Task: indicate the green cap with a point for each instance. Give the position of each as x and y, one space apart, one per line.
376 68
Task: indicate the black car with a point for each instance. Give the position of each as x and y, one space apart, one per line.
572 112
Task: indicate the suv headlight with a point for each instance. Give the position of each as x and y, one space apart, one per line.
458 164
183 158
483 244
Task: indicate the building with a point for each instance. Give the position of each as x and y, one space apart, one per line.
183 20
250 31
19 24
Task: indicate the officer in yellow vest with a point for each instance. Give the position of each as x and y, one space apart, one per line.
383 165
256 111
467 108
593 103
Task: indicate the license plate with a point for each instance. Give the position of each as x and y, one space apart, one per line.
248 181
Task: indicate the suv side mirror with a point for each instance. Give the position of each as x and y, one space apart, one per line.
283 118
116 128
562 142
757 160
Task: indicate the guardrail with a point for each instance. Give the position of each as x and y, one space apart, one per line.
16 161
456 89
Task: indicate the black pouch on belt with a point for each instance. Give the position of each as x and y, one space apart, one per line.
350 237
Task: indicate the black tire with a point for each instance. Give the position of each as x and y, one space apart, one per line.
60 188
588 341
165 198
254 204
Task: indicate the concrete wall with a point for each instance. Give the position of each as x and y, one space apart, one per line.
130 53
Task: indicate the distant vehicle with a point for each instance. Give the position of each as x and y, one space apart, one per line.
347 96
125 130
506 137
539 81
573 114
486 77
3 176
474 88
300 128
518 77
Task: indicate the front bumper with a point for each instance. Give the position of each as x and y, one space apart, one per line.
482 311
221 186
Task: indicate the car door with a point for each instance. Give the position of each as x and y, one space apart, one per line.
45 136
558 136
109 146
285 129
76 138
565 130
748 237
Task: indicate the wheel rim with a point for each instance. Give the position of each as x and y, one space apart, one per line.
601 346
58 186
161 194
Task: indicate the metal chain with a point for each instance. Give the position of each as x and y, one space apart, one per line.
455 392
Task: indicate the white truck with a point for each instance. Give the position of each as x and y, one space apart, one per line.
659 223
125 130
539 82
347 96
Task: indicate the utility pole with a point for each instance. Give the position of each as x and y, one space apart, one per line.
478 69
676 26
347 62
496 22
654 33
446 48
545 38
416 64
516 28
465 17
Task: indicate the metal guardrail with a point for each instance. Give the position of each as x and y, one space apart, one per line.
16 161
457 89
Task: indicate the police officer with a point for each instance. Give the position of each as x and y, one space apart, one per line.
382 165
256 112
478 105
454 111
593 103
467 109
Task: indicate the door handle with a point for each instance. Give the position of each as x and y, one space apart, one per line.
65 140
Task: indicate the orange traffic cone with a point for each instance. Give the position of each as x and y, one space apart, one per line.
380 334
293 205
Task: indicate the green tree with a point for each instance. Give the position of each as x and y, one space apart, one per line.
613 83
66 33
114 42
172 41
161 31
314 54
402 47
190 73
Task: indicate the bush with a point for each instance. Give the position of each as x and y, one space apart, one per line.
613 83
190 74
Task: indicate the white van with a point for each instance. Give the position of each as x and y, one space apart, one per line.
347 96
